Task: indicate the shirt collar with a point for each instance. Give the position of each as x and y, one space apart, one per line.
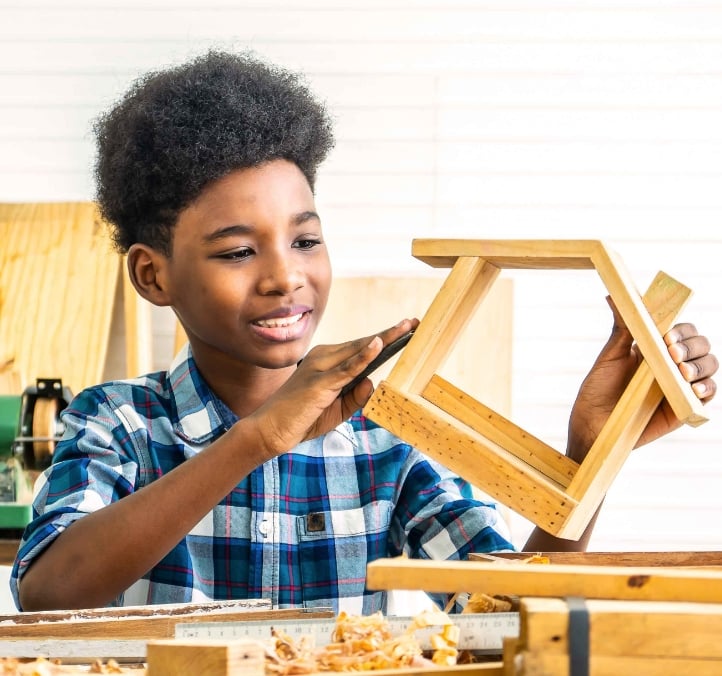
201 416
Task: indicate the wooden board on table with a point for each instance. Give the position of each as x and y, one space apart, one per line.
702 559
632 628
550 580
620 637
140 622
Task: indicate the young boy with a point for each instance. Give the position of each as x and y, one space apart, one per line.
241 473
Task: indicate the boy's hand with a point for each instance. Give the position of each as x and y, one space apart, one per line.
308 404
612 371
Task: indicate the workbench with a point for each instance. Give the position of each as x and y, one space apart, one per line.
596 614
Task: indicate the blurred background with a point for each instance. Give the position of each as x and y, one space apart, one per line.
455 118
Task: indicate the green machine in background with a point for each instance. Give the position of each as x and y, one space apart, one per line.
30 426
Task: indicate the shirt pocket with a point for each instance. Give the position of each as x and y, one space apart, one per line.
334 548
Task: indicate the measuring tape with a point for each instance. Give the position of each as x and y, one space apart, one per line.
479 632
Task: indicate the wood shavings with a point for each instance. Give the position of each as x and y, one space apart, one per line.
11 666
364 643
479 602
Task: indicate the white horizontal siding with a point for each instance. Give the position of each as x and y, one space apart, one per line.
469 118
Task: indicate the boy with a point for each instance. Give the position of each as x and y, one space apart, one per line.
241 473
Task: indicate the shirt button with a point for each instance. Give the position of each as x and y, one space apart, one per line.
263 528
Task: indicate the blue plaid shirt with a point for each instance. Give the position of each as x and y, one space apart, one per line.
298 530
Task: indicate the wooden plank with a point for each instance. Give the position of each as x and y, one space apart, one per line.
463 450
500 431
552 580
449 313
521 254
58 275
687 407
707 559
142 622
538 664
625 628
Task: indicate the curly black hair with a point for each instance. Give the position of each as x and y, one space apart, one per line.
177 130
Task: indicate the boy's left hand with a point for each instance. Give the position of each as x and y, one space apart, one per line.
612 371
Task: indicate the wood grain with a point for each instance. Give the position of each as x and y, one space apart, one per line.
551 580
58 275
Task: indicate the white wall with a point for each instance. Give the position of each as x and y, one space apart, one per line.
488 119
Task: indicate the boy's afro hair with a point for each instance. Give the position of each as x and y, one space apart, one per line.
177 130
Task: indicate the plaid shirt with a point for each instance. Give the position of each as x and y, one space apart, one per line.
298 530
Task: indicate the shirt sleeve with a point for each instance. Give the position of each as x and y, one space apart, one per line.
93 465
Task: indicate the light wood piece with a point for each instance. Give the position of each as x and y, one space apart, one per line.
548 580
60 280
210 658
625 637
706 559
123 633
483 446
141 622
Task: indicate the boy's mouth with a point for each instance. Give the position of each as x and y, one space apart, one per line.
279 322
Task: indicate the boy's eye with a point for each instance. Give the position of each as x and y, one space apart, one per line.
307 243
236 254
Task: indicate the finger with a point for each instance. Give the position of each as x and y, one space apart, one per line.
694 370
356 363
620 341
357 397
390 349
686 349
680 332
397 330
705 389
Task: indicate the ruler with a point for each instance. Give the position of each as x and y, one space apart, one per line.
482 632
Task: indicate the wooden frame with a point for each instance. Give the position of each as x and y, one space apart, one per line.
490 451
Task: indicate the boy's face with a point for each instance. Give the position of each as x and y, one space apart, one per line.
249 270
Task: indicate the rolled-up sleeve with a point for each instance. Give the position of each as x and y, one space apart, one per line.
93 465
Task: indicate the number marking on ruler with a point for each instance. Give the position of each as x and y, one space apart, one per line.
478 632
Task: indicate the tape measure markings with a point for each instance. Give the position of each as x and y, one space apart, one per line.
478 631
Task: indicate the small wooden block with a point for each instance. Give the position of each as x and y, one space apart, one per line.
210 658
652 629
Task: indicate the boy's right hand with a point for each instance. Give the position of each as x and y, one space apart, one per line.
308 404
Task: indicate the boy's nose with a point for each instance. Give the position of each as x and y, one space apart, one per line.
281 277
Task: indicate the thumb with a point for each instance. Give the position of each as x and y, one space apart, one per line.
620 341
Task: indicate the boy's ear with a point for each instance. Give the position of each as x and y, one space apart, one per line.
147 272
